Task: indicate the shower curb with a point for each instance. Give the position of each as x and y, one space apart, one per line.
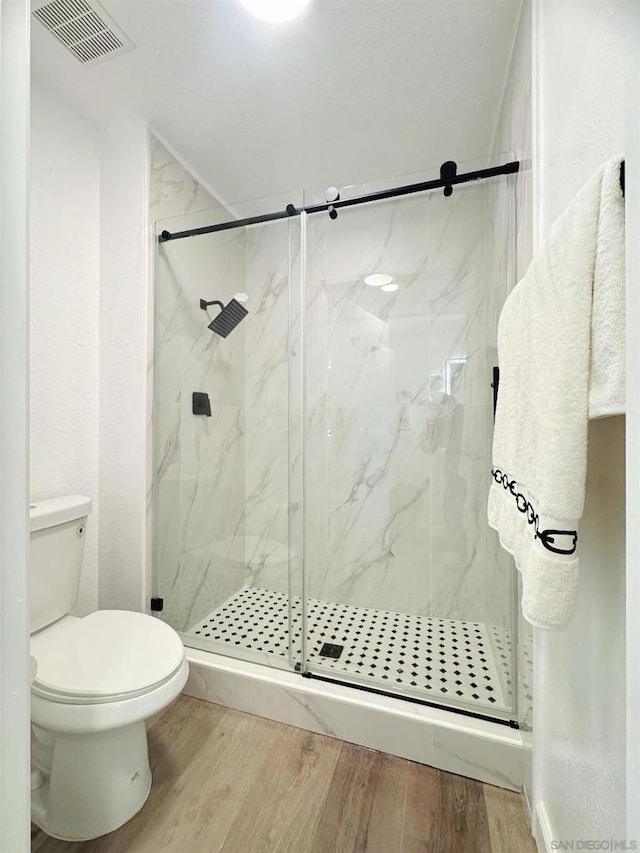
479 749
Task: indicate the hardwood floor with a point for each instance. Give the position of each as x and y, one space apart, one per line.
228 782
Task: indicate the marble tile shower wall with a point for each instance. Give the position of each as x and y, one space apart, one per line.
222 482
199 461
398 408
399 411
266 460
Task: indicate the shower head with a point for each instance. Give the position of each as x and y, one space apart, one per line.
228 318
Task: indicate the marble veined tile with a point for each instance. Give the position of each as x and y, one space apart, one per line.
196 197
167 416
267 339
398 386
166 183
397 421
173 191
167 557
212 509
266 496
457 228
369 505
388 237
212 573
198 467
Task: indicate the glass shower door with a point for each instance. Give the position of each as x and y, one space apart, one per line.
227 562
406 588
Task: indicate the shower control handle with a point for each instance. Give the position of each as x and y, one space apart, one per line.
200 403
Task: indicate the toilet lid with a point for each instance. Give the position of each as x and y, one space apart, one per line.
108 653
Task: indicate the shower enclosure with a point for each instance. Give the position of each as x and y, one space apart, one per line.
320 505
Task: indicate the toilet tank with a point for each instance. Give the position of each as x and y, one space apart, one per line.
58 530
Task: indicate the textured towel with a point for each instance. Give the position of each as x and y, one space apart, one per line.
561 353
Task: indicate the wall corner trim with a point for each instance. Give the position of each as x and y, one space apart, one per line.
542 829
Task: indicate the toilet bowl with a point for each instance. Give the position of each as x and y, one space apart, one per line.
98 678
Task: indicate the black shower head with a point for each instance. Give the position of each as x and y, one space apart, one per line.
228 318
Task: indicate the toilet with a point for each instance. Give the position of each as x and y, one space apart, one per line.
97 679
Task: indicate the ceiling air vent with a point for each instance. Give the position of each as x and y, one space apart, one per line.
83 28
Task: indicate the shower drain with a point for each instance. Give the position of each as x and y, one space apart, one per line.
330 650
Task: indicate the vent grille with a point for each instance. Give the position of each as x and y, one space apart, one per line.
83 28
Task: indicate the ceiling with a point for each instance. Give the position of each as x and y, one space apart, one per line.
352 91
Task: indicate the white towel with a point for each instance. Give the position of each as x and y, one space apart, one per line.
561 355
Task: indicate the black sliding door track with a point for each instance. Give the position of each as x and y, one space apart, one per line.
449 178
512 724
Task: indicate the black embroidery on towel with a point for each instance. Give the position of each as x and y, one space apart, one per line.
547 537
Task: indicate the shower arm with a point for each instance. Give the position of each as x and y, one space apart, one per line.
204 304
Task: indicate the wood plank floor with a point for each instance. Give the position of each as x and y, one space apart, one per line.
228 782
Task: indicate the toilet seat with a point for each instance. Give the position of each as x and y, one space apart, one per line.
62 697
59 714
108 656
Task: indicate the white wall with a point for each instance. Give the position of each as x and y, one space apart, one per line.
65 295
88 334
632 119
123 366
90 401
14 496
579 690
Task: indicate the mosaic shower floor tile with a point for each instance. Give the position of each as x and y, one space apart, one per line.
442 658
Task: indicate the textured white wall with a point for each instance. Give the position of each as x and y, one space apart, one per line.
14 306
579 690
123 365
89 338
64 221
632 121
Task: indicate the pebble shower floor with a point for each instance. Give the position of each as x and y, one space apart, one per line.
447 659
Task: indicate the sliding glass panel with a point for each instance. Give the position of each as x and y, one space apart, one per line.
406 588
223 557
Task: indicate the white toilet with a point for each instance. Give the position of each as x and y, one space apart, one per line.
98 679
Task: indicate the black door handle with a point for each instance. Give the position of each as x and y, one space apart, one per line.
495 384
